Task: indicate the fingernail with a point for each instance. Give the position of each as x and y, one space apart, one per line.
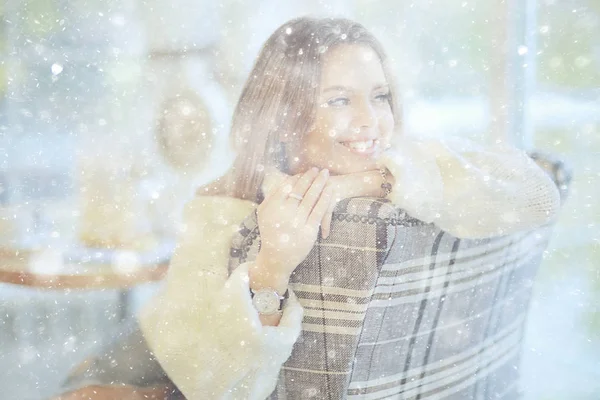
326 172
314 169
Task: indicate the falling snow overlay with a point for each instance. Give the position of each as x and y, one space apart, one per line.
114 113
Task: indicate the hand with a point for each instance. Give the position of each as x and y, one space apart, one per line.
289 226
359 184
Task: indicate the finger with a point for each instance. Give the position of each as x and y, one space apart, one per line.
312 195
284 188
327 218
319 210
289 186
301 185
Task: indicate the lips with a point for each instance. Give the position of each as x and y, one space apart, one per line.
362 147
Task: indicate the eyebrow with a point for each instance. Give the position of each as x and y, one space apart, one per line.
337 89
347 89
382 86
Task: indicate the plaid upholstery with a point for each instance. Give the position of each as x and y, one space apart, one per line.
395 308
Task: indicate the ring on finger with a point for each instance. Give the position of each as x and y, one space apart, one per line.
295 196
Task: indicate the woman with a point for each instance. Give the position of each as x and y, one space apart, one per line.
314 124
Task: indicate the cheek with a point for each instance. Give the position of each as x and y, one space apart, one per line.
331 123
386 123
319 142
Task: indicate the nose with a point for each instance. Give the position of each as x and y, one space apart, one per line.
364 117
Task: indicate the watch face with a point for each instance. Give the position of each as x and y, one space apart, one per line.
266 302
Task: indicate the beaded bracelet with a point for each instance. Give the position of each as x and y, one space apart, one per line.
385 186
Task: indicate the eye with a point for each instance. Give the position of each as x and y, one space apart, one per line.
338 102
383 97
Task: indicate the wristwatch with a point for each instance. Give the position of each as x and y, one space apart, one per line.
267 301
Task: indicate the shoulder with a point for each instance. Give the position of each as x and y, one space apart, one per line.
217 187
216 210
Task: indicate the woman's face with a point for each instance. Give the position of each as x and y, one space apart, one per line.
354 120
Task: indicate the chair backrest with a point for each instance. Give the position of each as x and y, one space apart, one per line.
407 309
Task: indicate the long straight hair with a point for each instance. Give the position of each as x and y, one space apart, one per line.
279 97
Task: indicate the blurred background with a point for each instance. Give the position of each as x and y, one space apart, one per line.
112 111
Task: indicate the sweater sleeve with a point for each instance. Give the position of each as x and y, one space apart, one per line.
203 328
469 190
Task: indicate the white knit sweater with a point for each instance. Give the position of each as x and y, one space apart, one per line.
203 327
468 190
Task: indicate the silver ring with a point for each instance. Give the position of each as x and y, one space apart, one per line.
295 196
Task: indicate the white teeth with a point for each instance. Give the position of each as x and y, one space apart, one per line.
360 146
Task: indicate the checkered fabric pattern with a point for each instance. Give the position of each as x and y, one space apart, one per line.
395 308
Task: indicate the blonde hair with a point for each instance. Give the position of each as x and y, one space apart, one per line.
280 96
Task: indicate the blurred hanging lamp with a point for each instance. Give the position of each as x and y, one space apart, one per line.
189 107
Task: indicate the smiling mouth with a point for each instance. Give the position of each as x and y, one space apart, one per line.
362 147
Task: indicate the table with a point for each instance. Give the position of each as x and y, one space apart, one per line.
82 268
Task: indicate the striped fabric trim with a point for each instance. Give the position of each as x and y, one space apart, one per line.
331 305
331 329
316 371
316 313
299 287
344 247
